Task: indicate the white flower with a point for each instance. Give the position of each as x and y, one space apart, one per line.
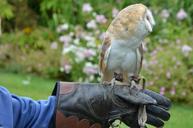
101 19
25 82
91 24
91 41
88 38
115 11
76 41
87 7
168 75
62 28
79 52
165 13
175 83
181 15
186 50
54 45
68 49
183 93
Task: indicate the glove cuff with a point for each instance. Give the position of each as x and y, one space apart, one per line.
73 122
63 120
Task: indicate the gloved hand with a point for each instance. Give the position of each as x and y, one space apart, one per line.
82 105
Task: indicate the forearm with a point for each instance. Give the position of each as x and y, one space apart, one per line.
24 112
33 113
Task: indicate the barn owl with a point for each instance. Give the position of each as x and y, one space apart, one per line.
122 48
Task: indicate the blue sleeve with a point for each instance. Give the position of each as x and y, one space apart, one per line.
23 112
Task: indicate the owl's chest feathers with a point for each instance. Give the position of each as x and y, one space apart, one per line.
122 57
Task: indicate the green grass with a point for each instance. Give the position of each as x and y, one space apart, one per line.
181 117
27 85
38 88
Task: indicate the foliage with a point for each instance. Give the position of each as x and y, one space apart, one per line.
29 53
6 9
65 36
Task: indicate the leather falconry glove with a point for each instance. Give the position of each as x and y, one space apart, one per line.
86 105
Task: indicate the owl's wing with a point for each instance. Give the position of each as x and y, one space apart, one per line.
104 54
141 58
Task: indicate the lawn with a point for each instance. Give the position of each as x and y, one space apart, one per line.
38 88
27 85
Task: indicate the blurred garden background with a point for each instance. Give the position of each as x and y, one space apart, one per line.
42 41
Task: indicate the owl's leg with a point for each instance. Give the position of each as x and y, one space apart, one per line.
107 77
117 79
115 82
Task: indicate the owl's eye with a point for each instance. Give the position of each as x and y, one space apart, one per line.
148 24
150 17
126 29
149 20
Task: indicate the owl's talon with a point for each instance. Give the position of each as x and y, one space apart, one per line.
116 82
113 82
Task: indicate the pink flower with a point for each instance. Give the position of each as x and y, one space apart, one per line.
89 53
90 69
91 24
173 91
186 50
165 13
54 45
66 68
115 12
87 7
153 62
181 15
101 19
162 90
66 39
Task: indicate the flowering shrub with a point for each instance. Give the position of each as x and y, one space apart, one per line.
71 51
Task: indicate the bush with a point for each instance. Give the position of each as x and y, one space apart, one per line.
30 51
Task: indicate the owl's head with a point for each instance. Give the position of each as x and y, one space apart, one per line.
134 20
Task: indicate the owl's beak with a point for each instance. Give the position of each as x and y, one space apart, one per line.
149 20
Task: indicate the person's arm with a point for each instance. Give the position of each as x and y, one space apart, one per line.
23 112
